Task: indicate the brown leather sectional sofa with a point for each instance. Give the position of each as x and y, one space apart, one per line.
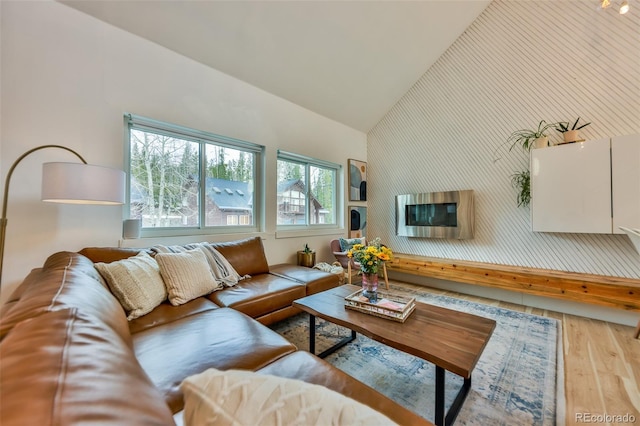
68 355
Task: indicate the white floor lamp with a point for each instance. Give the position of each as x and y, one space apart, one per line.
76 183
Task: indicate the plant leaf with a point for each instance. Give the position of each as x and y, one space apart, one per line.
575 124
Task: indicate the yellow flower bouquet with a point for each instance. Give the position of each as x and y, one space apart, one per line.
371 256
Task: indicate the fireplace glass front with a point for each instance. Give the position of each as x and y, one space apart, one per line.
436 215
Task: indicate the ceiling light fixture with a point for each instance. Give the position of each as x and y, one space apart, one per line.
606 4
624 7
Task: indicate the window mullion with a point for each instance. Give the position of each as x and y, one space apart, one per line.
202 185
307 172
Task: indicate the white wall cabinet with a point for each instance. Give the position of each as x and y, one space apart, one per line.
586 187
625 175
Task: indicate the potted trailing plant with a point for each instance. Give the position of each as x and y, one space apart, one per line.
306 257
570 134
527 139
522 182
531 138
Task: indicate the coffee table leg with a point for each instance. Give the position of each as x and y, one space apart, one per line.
332 349
338 345
457 403
440 418
447 419
312 334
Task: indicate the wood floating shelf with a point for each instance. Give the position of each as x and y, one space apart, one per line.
615 292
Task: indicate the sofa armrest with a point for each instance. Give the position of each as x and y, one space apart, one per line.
65 367
246 256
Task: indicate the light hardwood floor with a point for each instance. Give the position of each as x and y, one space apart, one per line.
601 364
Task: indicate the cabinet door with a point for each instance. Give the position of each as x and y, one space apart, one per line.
625 175
571 188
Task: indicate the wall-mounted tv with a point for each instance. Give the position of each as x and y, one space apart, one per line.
436 215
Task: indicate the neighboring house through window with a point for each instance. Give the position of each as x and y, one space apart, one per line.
307 191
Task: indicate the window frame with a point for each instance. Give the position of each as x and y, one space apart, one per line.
202 138
338 201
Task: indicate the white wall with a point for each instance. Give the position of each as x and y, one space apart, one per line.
520 62
68 78
517 64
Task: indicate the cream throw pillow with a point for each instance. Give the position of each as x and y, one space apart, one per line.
136 283
222 270
186 275
236 397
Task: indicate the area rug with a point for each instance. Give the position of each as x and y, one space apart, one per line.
518 379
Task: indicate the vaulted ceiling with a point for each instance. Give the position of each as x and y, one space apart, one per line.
350 61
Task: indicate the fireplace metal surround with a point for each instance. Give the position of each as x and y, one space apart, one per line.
436 215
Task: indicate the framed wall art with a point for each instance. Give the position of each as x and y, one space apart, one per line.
357 180
357 221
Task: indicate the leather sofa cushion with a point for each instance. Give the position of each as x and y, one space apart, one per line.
278 315
221 338
315 279
13 298
64 367
246 256
110 254
260 294
67 280
166 313
309 368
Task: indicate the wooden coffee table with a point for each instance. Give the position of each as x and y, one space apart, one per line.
449 339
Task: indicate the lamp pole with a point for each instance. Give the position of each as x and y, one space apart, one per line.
3 221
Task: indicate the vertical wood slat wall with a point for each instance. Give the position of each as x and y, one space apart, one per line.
520 62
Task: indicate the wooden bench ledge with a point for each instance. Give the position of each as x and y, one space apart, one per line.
615 292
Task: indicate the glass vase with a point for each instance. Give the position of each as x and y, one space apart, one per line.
370 287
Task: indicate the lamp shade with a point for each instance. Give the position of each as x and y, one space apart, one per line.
78 183
624 7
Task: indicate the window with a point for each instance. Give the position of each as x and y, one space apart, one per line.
307 193
167 165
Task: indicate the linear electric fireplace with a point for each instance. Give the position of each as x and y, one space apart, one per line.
436 215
